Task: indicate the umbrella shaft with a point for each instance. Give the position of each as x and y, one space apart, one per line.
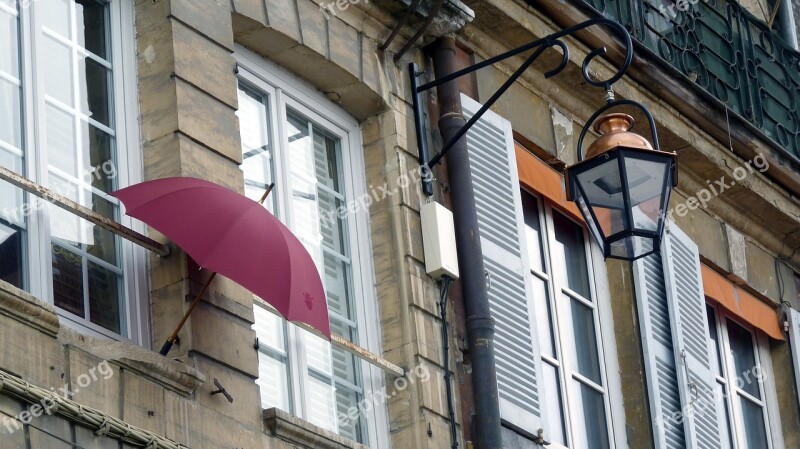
172 338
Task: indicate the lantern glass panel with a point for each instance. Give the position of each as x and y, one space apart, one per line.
602 189
631 247
646 178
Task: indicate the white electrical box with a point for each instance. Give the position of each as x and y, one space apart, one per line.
439 241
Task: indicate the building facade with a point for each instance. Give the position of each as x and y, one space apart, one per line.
696 347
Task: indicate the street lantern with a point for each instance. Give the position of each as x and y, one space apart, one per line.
622 188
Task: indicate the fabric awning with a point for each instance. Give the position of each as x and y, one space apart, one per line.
740 303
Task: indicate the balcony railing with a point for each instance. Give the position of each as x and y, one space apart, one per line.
726 51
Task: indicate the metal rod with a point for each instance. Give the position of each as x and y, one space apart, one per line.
347 345
428 20
461 132
174 337
555 36
446 361
412 8
266 193
83 212
419 124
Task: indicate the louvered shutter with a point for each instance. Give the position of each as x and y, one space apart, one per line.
497 197
676 344
662 378
794 341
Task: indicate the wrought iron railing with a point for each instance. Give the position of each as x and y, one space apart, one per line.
728 52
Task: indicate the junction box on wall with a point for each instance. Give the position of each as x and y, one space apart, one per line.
439 241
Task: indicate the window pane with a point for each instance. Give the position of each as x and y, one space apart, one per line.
9 51
589 426
56 60
744 360
532 231
257 153
712 328
11 249
754 428
10 196
91 19
273 380
105 308
555 410
320 403
68 281
64 226
569 255
584 341
270 329
544 317
56 16
95 91
347 400
99 165
61 143
318 353
11 131
724 417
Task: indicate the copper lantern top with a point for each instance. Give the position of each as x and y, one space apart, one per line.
614 130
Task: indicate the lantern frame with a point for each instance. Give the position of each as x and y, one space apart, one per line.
620 153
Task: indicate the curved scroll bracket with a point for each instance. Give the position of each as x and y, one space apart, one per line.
539 46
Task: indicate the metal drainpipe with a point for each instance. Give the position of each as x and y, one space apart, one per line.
479 323
786 23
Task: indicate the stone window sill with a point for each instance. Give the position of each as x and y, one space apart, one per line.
25 308
304 434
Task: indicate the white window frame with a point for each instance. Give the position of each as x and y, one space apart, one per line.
284 88
604 325
768 392
39 271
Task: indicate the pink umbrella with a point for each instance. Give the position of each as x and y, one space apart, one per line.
230 234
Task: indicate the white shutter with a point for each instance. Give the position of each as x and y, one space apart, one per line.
676 343
794 340
494 174
659 357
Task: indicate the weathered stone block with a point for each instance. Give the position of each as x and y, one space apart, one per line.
209 121
209 17
252 9
345 46
143 402
224 338
205 64
246 406
94 382
313 27
282 16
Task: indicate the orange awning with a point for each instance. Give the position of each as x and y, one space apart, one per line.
544 180
740 303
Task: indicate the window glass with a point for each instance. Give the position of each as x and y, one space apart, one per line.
740 407
744 360
314 190
79 147
569 254
584 340
566 329
753 420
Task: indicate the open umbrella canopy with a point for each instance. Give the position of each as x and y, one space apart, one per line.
228 233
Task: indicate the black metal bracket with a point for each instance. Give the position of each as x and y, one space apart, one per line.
540 45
